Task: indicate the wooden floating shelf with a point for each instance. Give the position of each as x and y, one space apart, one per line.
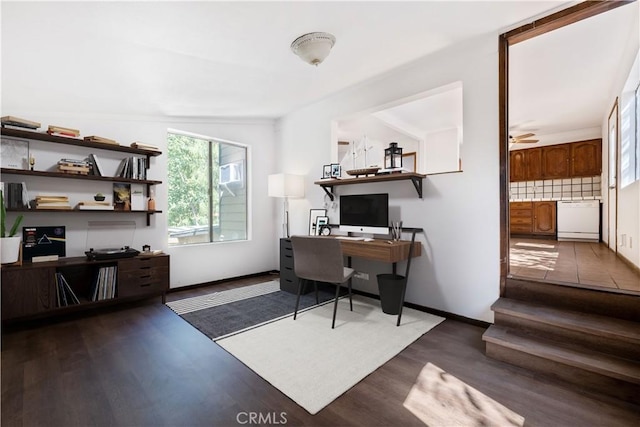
414 177
43 136
77 176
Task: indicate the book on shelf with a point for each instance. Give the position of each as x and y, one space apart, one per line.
45 258
137 197
100 139
143 146
19 122
64 293
52 202
15 195
104 283
83 207
122 196
96 168
59 130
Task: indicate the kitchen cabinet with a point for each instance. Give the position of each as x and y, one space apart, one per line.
533 218
576 159
518 165
521 217
586 158
555 161
544 218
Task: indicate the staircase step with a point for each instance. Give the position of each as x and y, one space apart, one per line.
588 360
622 305
592 324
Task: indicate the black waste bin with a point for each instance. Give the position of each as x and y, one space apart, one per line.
391 287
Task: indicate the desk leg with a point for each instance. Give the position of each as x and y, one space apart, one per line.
349 284
394 268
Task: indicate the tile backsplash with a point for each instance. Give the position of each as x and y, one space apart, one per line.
588 187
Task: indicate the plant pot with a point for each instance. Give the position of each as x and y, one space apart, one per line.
9 249
99 198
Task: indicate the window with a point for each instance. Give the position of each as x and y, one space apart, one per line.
207 200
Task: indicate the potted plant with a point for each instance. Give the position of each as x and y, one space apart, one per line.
99 197
9 242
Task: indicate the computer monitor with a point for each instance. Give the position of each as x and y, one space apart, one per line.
365 213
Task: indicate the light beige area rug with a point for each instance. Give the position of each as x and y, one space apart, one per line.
439 399
283 352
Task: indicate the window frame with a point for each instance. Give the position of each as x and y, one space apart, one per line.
246 175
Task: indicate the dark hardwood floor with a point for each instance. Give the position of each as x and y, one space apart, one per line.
142 365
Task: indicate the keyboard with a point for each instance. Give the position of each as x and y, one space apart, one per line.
349 238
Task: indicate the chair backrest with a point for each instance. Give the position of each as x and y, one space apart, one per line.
318 258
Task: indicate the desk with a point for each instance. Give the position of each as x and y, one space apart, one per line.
380 250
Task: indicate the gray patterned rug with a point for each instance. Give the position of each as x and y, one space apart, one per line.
221 314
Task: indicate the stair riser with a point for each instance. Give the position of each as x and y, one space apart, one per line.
578 377
603 344
616 305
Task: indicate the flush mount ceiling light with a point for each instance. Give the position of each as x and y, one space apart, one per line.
313 48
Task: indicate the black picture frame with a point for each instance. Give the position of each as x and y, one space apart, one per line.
336 170
326 171
314 214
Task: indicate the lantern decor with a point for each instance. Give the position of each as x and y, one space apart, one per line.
393 157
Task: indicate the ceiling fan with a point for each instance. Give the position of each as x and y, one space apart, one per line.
522 139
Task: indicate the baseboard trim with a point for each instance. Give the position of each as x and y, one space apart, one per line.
628 262
272 273
434 311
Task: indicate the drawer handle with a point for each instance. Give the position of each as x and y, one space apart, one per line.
145 285
288 268
288 256
145 268
145 277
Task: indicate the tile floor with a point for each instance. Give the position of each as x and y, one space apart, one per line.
590 264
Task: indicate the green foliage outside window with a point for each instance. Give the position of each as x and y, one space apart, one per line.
189 181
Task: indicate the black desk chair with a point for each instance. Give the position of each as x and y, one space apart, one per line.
320 259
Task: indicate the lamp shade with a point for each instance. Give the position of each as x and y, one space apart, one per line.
286 185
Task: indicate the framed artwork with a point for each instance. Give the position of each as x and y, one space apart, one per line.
15 153
336 170
326 171
321 222
409 161
313 220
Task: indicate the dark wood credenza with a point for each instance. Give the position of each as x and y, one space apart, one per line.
30 290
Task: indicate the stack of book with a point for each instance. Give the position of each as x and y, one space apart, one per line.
73 166
52 202
104 284
17 122
90 205
60 131
100 139
143 146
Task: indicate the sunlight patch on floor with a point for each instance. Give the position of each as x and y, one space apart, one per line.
540 260
440 399
535 245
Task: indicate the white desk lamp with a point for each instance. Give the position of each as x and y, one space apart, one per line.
286 185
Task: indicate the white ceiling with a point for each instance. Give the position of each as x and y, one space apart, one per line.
563 80
222 59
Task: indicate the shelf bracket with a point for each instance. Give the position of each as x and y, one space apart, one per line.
417 183
329 192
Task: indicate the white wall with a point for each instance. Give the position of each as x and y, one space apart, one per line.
442 151
190 264
628 203
459 269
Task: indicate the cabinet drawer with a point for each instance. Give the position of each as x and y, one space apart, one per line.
288 273
520 221
520 228
141 287
520 205
520 213
137 263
